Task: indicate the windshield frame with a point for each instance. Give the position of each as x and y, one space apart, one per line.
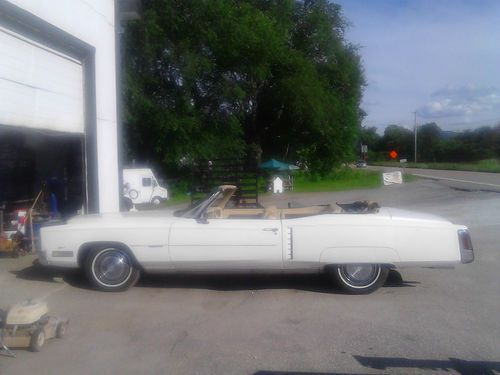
196 212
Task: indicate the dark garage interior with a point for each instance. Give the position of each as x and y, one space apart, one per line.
34 161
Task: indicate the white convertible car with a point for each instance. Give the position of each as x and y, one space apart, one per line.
356 244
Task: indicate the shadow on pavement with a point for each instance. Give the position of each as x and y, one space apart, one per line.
452 364
264 372
311 283
37 272
394 279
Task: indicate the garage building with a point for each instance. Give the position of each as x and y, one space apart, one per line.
59 122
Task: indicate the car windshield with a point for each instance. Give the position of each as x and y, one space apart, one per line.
200 206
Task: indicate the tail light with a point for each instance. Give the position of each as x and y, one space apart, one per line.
466 250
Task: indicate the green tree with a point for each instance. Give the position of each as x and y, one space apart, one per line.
398 138
429 142
207 79
370 137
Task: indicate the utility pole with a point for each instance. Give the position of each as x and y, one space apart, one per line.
415 132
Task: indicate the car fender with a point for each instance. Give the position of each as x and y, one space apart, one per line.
356 254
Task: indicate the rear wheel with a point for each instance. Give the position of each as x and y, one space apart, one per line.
360 278
37 340
111 269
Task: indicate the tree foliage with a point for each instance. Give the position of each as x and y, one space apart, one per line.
399 139
434 144
213 78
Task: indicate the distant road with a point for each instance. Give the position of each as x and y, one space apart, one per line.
461 179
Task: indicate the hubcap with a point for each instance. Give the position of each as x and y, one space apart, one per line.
112 267
41 339
359 275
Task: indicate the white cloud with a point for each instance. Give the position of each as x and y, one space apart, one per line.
411 48
462 101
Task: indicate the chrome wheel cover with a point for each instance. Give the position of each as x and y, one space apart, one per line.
112 267
359 276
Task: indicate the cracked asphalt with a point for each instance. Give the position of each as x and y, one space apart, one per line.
430 321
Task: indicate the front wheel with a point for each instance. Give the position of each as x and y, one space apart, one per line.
60 330
111 269
360 278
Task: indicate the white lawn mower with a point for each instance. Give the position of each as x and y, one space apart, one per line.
28 325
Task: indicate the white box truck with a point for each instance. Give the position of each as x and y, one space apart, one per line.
141 186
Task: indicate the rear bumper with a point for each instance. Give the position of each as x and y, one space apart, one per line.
466 256
466 249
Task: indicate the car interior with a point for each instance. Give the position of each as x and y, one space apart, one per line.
220 209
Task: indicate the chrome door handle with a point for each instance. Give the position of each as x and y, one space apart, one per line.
270 230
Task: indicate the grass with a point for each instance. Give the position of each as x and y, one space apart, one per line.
488 165
342 179
176 199
408 177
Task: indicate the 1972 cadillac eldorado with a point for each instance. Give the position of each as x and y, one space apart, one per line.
355 245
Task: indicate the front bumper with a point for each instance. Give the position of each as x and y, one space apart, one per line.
42 258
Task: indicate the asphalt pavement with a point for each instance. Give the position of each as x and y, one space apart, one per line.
459 179
429 321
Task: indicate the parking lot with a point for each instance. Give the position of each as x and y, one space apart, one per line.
430 320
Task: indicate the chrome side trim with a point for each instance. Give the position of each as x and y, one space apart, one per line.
62 254
289 243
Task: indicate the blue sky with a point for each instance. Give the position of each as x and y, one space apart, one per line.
439 58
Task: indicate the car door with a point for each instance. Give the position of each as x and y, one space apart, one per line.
226 244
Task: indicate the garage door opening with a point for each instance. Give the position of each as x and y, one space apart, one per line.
34 160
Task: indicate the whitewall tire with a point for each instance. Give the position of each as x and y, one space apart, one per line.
111 268
360 278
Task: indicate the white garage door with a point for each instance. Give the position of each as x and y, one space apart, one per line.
39 87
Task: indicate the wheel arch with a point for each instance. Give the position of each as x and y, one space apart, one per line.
385 256
86 247
330 268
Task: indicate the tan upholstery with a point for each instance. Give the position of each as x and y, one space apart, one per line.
218 210
272 213
214 213
232 212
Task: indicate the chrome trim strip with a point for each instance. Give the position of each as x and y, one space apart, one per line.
62 254
290 242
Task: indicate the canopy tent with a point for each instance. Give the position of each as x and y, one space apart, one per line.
277 165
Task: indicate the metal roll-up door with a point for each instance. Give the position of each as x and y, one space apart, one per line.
39 88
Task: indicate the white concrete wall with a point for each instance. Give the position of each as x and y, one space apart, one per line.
93 21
